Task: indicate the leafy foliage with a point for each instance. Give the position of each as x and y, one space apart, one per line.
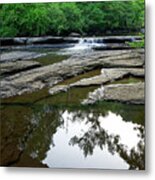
95 18
138 44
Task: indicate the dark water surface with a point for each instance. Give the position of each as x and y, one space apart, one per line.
54 131
41 130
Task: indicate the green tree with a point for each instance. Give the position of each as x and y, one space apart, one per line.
92 18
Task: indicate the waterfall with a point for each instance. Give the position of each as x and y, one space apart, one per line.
88 43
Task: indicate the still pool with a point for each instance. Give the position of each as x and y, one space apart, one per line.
107 135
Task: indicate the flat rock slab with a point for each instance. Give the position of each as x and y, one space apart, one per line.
58 88
18 55
17 66
50 75
112 46
129 93
109 75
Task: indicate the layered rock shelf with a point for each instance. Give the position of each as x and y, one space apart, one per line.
107 75
18 55
52 74
17 66
33 79
59 40
129 93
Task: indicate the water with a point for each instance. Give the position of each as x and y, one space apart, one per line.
51 58
59 132
85 45
40 130
85 142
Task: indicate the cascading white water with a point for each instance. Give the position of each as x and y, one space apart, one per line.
87 43
84 45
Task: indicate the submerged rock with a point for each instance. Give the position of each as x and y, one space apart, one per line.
129 93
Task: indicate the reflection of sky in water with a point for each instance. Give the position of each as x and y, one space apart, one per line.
114 124
68 155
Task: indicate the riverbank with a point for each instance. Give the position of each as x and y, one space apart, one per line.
79 95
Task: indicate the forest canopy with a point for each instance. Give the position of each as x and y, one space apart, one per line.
86 18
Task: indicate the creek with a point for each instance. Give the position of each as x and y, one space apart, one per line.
57 131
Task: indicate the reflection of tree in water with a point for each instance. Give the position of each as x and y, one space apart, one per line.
136 156
128 112
46 119
97 136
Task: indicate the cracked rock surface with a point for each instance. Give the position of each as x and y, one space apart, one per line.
132 93
31 80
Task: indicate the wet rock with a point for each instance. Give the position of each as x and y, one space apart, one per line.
112 47
18 55
9 68
56 40
133 93
109 75
58 88
20 41
52 74
74 34
45 40
71 39
129 93
6 41
52 40
120 39
13 41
